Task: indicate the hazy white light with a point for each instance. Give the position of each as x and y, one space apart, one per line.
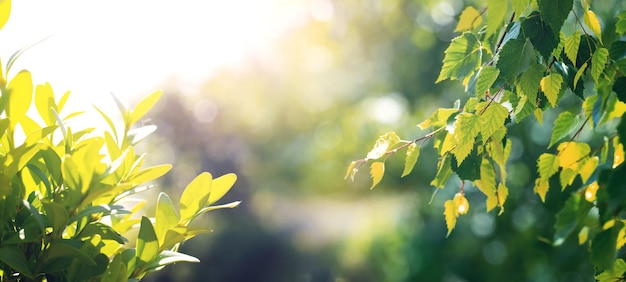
322 10
387 109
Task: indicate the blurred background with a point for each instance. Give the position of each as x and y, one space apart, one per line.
285 93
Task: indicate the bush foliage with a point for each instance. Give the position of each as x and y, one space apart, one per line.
62 191
523 59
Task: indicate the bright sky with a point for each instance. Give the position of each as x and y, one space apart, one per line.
130 47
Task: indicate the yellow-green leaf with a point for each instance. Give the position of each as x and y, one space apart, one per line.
147 242
571 153
572 43
221 186
492 118
377 171
444 171
486 77
351 171
538 115
462 57
438 118
551 86
461 203
618 154
579 73
383 144
503 193
588 168
598 63
567 177
5 11
563 126
166 216
195 196
547 165
487 183
21 87
466 129
583 235
144 106
44 101
593 23
590 191
470 18
412 154
496 11
541 188
150 173
450 213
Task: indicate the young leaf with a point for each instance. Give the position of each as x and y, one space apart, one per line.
461 58
554 12
496 10
444 170
486 77
450 213
438 118
195 196
502 193
21 97
547 165
412 154
598 62
492 119
150 173
541 188
588 168
377 170
144 106
487 183
470 18
564 124
572 43
593 23
383 144
579 73
147 242
467 127
169 257
5 11
221 186
551 86
571 153
615 273
166 216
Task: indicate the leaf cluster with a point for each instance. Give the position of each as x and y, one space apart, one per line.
63 211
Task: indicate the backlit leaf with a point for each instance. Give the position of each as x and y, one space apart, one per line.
412 154
503 193
438 118
583 235
588 168
487 183
377 170
572 43
541 188
571 153
529 82
450 213
618 152
591 20
519 6
351 170
5 11
21 96
615 273
563 126
554 12
144 106
461 58
195 195
590 191
547 165
492 118
598 62
467 127
383 144
551 86
470 18
150 173
461 203
486 77
166 216
147 243
496 11
620 26
221 186
523 109
444 171
579 73
169 257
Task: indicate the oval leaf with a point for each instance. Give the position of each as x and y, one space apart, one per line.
377 171
195 196
221 186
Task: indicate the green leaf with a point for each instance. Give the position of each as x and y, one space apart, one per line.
554 12
569 217
469 169
615 273
166 216
67 248
470 18
58 217
620 26
486 77
438 118
462 57
572 43
221 186
467 127
412 154
377 170
496 10
529 82
563 126
591 20
169 257
603 247
383 144
195 196
487 183
598 63
547 165
104 231
579 73
514 58
519 6
551 86
14 257
144 106
444 171
543 38
523 109
147 243
492 118
180 234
